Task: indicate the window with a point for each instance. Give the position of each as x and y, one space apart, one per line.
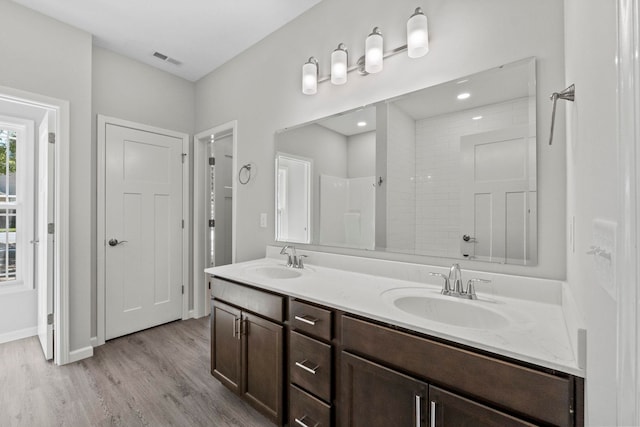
16 202
9 204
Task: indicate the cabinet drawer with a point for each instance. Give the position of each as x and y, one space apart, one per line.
313 320
542 396
310 365
253 300
306 410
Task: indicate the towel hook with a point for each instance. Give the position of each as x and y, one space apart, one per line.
568 94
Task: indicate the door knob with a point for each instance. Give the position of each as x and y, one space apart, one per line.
115 242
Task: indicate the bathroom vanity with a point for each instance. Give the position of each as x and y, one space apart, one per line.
322 347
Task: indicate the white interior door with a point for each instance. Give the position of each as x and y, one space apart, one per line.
498 195
143 229
44 240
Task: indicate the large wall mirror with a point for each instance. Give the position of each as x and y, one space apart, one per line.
446 171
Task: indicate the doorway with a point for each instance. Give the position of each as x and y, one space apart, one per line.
34 220
142 225
215 172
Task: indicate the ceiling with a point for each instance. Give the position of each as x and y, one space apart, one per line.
199 34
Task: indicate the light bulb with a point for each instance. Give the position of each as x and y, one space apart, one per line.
310 77
339 64
374 52
417 35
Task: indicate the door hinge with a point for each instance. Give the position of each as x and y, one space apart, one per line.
182 289
50 319
52 138
183 223
51 228
212 161
183 156
209 284
212 223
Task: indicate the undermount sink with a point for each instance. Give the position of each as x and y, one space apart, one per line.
276 272
447 310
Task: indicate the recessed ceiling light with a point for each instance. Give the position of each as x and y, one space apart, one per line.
464 95
362 124
476 118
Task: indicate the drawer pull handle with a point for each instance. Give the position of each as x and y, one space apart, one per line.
301 422
307 319
302 366
432 416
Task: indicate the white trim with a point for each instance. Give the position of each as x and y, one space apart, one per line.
81 353
93 341
101 220
628 256
18 335
200 141
61 235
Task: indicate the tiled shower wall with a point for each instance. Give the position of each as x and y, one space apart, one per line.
424 165
401 191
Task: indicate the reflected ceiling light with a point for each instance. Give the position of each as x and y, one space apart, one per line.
459 82
464 95
417 34
476 118
310 77
339 61
362 124
374 52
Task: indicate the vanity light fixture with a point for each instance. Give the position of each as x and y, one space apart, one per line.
464 95
417 34
339 65
310 77
373 58
374 52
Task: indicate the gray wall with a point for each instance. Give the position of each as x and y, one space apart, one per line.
466 37
44 56
130 90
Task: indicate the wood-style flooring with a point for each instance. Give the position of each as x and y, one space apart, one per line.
157 377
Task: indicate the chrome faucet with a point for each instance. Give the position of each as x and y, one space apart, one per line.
293 259
453 284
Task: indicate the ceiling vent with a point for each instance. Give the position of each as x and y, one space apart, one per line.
166 58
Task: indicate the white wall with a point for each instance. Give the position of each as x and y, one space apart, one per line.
44 56
130 90
361 155
439 173
467 36
591 186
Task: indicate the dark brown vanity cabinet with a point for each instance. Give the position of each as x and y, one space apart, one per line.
247 345
311 365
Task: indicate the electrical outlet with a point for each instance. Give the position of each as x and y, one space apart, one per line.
263 220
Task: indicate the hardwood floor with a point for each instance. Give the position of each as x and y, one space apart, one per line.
157 377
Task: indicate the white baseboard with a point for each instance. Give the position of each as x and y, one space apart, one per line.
18 335
93 341
81 353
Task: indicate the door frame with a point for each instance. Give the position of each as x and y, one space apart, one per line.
61 310
200 306
102 122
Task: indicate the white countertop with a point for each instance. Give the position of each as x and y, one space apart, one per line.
536 332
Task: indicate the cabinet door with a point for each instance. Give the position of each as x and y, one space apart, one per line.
226 345
375 396
448 409
263 364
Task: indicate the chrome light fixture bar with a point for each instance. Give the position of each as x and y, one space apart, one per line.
373 59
